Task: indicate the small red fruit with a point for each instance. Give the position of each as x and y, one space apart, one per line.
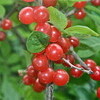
6 24
74 41
40 53
2 36
54 52
96 2
28 0
80 14
69 23
98 92
46 77
26 15
80 4
61 77
40 63
75 72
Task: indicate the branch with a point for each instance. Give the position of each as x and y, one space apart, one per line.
80 60
39 2
70 12
72 66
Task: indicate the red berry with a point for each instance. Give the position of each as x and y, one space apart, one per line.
64 43
80 4
96 73
45 28
38 87
48 3
90 63
2 36
98 92
6 24
61 77
70 58
26 15
69 23
75 72
28 0
74 41
54 52
96 2
55 34
41 14
40 63
80 14
46 77
31 72
40 53
27 80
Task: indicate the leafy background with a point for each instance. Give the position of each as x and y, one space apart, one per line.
13 56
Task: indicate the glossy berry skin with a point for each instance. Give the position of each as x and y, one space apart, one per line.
40 63
54 52
61 77
2 36
64 43
32 72
70 58
75 72
90 63
45 28
80 14
96 73
6 24
74 41
55 34
96 2
26 15
48 3
98 92
27 80
46 77
28 0
80 4
69 23
38 87
41 14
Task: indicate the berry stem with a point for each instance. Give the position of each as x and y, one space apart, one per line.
70 12
39 2
72 66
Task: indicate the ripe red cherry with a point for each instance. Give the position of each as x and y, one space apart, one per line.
96 73
48 3
61 77
96 2
28 0
46 77
38 87
74 41
80 14
69 23
80 4
75 72
41 14
31 72
98 92
70 58
2 36
40 63
27 80
90 63
55 34
64 43
26 15
6 24
45 28
54 52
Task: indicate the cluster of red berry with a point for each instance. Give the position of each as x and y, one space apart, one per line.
80 13
5 24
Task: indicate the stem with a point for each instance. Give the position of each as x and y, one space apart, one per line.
70 12
72 66
21 72
39 2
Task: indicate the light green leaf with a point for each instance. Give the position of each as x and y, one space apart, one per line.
57 18
37 42
2 11
6 2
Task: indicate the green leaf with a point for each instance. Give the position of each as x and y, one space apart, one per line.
6 2
2 11
83 31
57 18
37 42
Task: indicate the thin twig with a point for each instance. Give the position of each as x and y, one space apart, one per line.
72 66
70 12
21 72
